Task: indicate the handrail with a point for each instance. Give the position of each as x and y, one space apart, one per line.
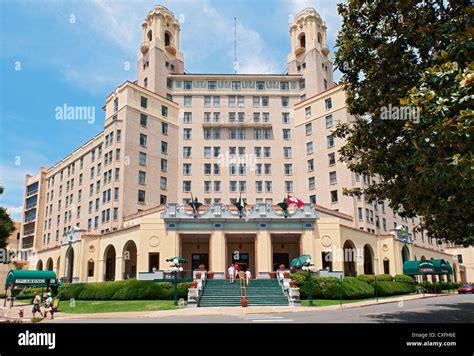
200 293
243 289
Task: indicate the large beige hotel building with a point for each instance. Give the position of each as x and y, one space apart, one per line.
117 205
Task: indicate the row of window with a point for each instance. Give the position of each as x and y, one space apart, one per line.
236 101
238 85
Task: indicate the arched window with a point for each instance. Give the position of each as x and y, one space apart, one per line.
303 40
350 257
149 35
167 39
320 37
368 260
90 268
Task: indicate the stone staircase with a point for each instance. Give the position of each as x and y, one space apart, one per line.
220 293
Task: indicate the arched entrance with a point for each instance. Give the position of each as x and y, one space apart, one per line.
49 264
130 260
69 265
57 267
405 254
350 258
368 259
39 265
109 260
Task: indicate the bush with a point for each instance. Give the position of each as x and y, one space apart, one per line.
352 288
404 278
384 278
386 289
367 278
70 291
319 284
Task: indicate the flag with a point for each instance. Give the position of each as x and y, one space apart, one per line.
195 205
294 200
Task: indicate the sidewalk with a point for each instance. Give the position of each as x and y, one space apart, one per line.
12 314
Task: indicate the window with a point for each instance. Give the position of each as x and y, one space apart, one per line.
334 196
187 134
164 147
143 140
328 103
233 186
115 104
267 152
307 112
143 120
256 101
268 186
288 168
217 186
311 183
310 165
285 101
260 85
207 101
141 196
268 168
332 159
242 186
187 117
329 122
164 128
256 117
211 85
360 214
332 178
141 177
309 148
287 152
308 129
186 169
164 165
207 169
207 186
265 101
240 101
217 152
164 111
142 159
288 186
235 85
231 101
119 138
143 102
285 118
330 140
217 117
257 152
284 86
259 186
188 85
286 134
188 100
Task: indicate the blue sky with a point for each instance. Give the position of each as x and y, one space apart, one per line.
76 52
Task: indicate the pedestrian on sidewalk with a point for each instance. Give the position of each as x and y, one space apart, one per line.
36 304
48 306
231 272
248 276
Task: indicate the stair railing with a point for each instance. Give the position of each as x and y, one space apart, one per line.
243 289
286 292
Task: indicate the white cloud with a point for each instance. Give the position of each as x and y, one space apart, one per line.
15 212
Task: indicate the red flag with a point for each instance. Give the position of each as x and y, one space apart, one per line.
294 200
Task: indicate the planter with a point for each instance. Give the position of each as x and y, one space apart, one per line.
273 275
198 275
286 274
210 275
293 284
194 284
244 302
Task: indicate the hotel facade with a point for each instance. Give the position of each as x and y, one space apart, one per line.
117 205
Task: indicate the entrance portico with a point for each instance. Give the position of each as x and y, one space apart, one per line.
240 249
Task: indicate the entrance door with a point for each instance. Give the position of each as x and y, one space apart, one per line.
281 258
243 261
198 259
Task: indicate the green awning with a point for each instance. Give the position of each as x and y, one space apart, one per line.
442 267
417 267
298 262
31 278
180 259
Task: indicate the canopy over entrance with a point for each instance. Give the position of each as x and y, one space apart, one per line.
299 261
442 267
33 278
414 268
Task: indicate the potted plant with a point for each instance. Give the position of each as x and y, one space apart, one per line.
244 302
273 274
194 284
210 275
286 274
198 275
293 284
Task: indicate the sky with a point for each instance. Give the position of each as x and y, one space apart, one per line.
75 52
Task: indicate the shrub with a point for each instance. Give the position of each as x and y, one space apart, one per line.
367 278
352 288
70 291
404 278
384 278
101 290
385 288
319 284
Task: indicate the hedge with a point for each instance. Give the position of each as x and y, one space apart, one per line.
404 278
129 289
386 288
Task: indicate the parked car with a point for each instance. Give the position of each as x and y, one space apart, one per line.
466 288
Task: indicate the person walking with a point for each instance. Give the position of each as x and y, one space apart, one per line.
236 269
231 272
248 276
48 306
36 304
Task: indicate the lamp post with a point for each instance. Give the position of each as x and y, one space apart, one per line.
175 268
307 266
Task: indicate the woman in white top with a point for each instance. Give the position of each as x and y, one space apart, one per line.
248 276
231 272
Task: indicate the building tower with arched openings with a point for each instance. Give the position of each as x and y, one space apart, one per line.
309 53
159 54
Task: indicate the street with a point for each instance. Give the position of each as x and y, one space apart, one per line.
447 309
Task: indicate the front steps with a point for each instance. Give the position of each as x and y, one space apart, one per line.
260 292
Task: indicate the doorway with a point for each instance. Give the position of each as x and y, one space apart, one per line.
153 261
281 258
200 259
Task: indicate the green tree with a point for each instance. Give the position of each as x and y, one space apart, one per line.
6 224
415 54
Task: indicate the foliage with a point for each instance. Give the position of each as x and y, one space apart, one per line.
385 288
7 225
367 278
415 54
384 278
404 278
